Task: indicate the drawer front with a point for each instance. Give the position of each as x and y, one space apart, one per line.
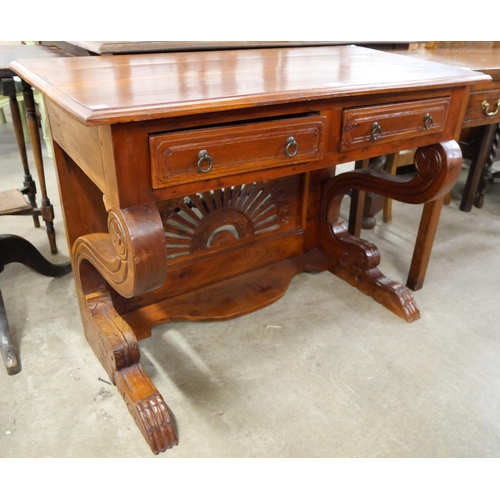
366 126
484 107
189 156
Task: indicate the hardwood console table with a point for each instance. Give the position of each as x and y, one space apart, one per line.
196 185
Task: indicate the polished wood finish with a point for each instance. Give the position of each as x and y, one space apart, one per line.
156 235
484 57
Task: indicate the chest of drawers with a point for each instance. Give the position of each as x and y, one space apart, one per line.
195 186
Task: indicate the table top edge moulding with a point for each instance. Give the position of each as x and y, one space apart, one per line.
196 185
312 73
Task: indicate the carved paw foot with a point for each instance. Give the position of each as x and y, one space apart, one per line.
147 407
117 349
392 295
355 260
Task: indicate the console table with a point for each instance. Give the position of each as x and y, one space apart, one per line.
196 185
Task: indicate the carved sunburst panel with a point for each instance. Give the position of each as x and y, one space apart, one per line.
222 217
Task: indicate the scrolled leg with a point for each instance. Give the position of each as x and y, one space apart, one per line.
131 258
355 260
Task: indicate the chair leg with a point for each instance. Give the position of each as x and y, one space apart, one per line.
357 204
476 168
391 168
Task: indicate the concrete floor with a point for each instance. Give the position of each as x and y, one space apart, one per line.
324 372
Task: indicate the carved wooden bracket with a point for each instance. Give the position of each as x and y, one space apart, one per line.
132 256
356 260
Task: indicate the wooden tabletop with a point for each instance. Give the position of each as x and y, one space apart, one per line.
137 47
9 53
110 89
486 60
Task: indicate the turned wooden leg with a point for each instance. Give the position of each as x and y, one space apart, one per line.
29 187
47 209
357 203
486 175
359 218
476 168
355 260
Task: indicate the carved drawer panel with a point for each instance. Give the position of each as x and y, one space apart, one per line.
365 126
188 156
484 108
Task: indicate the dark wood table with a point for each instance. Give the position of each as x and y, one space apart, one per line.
483 113
9 53
196 185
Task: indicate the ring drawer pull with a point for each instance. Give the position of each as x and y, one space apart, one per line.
486 106
376 131
204 156
291 148
428 121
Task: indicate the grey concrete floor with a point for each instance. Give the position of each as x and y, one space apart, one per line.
323 372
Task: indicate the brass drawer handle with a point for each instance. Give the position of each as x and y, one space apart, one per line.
204 156
376 131
428 121
486 106
291 148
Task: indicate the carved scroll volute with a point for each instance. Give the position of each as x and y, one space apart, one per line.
132 256
437 169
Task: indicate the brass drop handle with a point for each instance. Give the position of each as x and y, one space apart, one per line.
291 148
486 106
428 121
204 156
376 131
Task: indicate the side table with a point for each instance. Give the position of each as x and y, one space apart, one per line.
9 53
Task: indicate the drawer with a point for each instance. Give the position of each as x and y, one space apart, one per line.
483 107
188 156
364 126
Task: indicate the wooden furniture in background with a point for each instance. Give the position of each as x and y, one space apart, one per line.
108 48
479 140
9 53
16 249
196 185
480 144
